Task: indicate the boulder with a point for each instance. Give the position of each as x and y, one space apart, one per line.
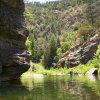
81 53
14 58
93 71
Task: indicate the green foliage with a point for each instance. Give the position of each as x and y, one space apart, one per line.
93 12
46 58
77 25
50 53
39 69
28 45
28 15
36 51
81 69
64 46
86 31
97 55
94 63
59 52
96 59
57 26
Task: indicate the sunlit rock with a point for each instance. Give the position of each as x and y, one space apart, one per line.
93 71
80 54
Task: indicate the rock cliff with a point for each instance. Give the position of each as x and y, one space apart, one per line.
81 53
14 59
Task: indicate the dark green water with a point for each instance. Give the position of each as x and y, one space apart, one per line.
52 88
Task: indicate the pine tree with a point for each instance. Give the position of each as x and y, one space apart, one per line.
90 12
50 53
46 58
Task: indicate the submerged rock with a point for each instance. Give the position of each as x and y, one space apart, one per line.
14 59
81 53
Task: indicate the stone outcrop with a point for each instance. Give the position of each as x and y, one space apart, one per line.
14 59
81 53
93 71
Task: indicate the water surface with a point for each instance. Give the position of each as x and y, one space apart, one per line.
52 88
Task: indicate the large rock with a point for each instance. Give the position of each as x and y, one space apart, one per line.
81 53
14 59
93 71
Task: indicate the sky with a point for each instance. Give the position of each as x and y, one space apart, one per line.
42 1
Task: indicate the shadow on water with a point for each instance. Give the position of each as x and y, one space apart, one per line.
52 88
12 91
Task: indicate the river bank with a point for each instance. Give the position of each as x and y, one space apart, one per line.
37 70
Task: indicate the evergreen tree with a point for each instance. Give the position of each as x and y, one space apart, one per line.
50 53
46 58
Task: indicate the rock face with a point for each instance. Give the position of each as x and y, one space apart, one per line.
81 53
14 59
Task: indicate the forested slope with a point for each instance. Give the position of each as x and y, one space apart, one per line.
56 27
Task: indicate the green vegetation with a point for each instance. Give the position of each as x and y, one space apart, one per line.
94 63
37 68
56 27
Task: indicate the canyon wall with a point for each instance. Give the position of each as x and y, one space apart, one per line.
14 58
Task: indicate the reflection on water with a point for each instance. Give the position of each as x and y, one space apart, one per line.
41 87
32 81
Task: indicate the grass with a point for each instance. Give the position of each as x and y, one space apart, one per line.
37 68
82 69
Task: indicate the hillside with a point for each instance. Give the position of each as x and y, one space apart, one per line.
56 27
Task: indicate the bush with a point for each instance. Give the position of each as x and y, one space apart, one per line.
85 31
28 45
